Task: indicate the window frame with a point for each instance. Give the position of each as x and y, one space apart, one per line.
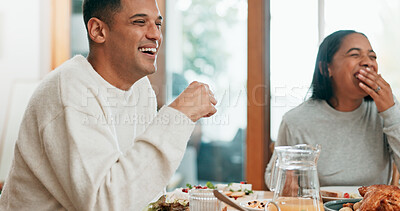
258 93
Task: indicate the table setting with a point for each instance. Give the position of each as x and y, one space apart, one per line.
294 186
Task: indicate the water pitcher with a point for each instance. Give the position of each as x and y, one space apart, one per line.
296 179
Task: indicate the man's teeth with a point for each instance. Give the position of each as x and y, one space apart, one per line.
148 49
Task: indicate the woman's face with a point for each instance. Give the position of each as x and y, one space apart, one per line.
354 54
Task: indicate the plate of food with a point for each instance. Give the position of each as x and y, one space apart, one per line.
336 205
376 197
255 205
330 193
178 199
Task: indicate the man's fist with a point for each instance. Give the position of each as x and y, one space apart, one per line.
196 101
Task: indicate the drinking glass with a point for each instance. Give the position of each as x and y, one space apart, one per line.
203 200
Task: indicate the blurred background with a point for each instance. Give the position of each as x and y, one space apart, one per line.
217 42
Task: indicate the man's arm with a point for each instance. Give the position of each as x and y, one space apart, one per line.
95 175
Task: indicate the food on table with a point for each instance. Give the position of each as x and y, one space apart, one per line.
256 204
351 206
178 200
235 190
234 195
339 194
335 194
357 205
380 197
189 187
354 196
377 197
221 187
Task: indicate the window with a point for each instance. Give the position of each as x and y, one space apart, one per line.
294 45
79 41
206 41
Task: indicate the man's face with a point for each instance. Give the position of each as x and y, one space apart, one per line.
354 54
134 38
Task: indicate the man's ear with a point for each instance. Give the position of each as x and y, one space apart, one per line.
97 30
322 73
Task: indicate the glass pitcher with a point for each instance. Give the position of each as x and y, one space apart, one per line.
297 184
273 175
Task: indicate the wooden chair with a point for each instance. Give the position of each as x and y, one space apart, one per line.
272 146
395 176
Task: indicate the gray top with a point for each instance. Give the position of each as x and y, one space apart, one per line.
357 146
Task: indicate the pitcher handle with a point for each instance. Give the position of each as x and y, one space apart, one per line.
271 202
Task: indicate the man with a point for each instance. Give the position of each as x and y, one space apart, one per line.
91 138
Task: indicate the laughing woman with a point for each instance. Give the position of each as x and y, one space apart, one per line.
352 114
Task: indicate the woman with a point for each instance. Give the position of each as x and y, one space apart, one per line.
352 114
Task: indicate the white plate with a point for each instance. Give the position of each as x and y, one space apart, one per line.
343 189
245 203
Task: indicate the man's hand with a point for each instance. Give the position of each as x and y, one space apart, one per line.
196 101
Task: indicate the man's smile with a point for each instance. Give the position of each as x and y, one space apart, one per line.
150 51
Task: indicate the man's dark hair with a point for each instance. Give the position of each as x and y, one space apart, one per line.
101 9
321 84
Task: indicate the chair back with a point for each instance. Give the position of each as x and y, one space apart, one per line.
395 176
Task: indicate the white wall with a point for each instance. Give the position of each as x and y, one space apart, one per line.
24 47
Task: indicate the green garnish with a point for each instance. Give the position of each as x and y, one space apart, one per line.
210 185
247 192
189 186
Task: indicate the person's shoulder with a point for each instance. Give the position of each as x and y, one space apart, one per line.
45 102
303 111
77 81
68 72
66 81
75 71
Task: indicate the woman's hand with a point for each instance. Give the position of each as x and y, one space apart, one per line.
376 87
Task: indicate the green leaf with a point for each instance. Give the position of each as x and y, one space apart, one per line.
210 185
189 186
247 192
